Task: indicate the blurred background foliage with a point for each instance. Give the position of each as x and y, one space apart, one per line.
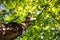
46 12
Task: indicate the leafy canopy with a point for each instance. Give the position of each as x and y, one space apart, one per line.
46 12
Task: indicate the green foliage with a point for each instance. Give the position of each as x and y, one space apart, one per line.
46 12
